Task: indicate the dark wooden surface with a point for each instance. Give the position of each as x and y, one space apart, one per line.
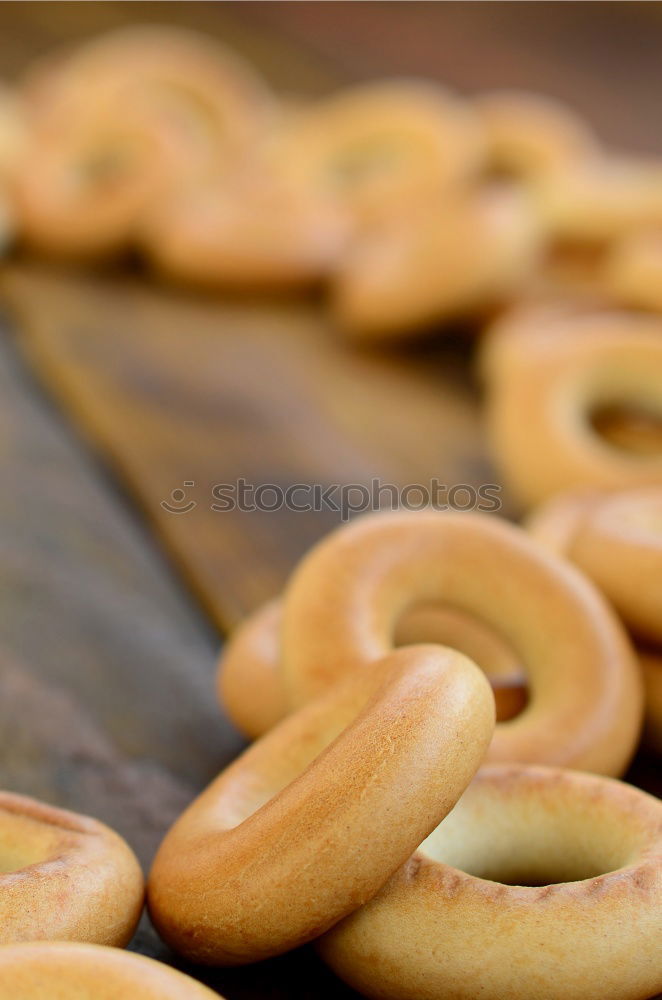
106 650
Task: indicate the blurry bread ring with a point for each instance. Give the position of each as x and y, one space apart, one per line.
59 970
64 877
181 81
633 270
250 683
533 863
82 192
253 234
546 378
346 596
453 259
311 820
616 539
599 200
382 148
528 134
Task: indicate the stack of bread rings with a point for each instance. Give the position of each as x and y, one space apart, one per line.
413 207
441 706
374 729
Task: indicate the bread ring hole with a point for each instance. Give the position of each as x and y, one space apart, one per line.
629 428
520 838
489 649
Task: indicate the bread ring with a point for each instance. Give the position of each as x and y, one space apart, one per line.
253 234
599 200
81 192
528 134
453 259
64 876
311 820
120 123
382 148
547 375
346 595
65 971
633 270
616 539
250 683
183 80
540 883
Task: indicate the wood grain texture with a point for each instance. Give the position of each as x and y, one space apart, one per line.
174 390
106 669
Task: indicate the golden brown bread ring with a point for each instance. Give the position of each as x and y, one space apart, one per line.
64 877
382 148
250 683
452 259
311 820
345 597
181 79
253 233
81 192
119 124
616 539
541 883
66 971
547 374
528 134
633 270
601 199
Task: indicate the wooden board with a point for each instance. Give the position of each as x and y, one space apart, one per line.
106 669
176 391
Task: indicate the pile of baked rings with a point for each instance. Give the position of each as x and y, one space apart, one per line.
441 704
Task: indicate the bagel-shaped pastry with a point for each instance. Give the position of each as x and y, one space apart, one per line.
344 599
189 84
382 148
250 681
255 233
312 819
453 259
616 539
599 200
548 375
64 877
633 270
81 192
542 882
66 971
528 134
120 124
